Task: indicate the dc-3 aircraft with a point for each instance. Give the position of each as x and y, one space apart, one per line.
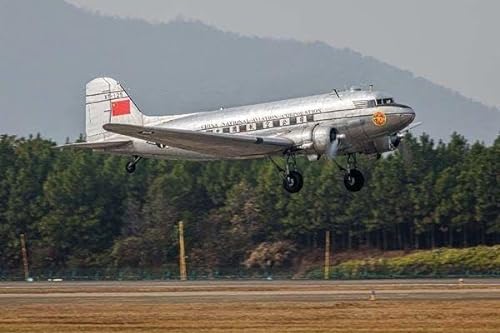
345 122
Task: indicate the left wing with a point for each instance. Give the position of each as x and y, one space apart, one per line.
223 145
95 145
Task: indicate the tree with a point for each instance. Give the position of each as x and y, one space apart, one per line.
83 206
81 209
24 184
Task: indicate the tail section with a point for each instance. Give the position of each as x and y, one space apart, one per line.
107 102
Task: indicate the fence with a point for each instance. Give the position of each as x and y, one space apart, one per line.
166 274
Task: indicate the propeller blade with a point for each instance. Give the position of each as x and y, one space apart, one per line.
403 132
332 150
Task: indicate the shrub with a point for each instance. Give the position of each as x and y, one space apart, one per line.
480 260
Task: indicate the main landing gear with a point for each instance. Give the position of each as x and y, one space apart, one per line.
292 178
130 166
353 178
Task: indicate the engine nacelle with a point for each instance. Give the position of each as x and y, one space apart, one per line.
388 143
314 140
322 137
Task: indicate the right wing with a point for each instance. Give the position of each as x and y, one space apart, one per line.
216 144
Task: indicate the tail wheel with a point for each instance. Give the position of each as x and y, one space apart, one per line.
130 167
293 182
354 180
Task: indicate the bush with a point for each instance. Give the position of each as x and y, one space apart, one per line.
481 260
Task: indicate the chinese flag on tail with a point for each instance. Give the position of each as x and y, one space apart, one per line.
119 108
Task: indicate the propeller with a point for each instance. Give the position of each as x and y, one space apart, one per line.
403 149
396 138
333 146
332 149
405 130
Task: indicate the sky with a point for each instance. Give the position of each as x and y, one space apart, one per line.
450 42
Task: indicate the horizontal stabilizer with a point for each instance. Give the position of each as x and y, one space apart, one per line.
95 145
216 144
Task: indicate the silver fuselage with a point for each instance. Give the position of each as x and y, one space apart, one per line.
351 112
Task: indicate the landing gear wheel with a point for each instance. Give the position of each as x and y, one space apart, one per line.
292 179
130 167
354 180
293 182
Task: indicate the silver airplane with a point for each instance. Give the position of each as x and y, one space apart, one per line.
345 122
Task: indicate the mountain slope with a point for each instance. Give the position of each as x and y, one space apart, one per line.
50 49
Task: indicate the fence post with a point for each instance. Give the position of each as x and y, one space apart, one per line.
25 257
182 254
326 272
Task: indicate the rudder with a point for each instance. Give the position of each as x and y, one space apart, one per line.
107 102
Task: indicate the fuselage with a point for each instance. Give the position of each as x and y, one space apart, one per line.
362 116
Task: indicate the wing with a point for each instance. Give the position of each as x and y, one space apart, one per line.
222 145
95 145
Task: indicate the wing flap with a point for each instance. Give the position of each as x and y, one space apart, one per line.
223 145
95 145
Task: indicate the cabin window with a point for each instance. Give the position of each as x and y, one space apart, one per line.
284 122
301 119
225 130
267 124
251 127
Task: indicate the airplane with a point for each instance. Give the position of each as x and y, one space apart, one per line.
343 122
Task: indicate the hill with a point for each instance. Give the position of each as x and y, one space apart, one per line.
50 49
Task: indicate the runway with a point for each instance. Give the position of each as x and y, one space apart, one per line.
384 306
260 290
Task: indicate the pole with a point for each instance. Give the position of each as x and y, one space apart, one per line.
326 275
182 254
25 257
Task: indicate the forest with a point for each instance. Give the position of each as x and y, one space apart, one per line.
80 209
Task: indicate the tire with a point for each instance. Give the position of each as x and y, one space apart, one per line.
293 182
354 180
130 167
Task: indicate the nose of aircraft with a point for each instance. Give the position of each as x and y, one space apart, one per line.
407 116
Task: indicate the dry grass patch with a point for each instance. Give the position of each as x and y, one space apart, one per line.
141 315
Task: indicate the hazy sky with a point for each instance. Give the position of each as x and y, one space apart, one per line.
451 42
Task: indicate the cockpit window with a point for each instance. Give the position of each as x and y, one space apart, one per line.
384 101
364 104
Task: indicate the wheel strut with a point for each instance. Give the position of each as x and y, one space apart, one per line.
353 178
292 178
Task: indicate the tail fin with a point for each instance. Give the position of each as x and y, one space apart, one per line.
107 102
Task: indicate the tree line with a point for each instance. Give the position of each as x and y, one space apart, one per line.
80 209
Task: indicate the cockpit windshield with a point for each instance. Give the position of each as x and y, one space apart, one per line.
371 103
384 101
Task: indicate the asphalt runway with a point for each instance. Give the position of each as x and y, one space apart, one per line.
261 290
377 306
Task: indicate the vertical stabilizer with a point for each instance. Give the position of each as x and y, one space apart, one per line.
107 102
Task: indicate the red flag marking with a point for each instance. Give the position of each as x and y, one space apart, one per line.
120 108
